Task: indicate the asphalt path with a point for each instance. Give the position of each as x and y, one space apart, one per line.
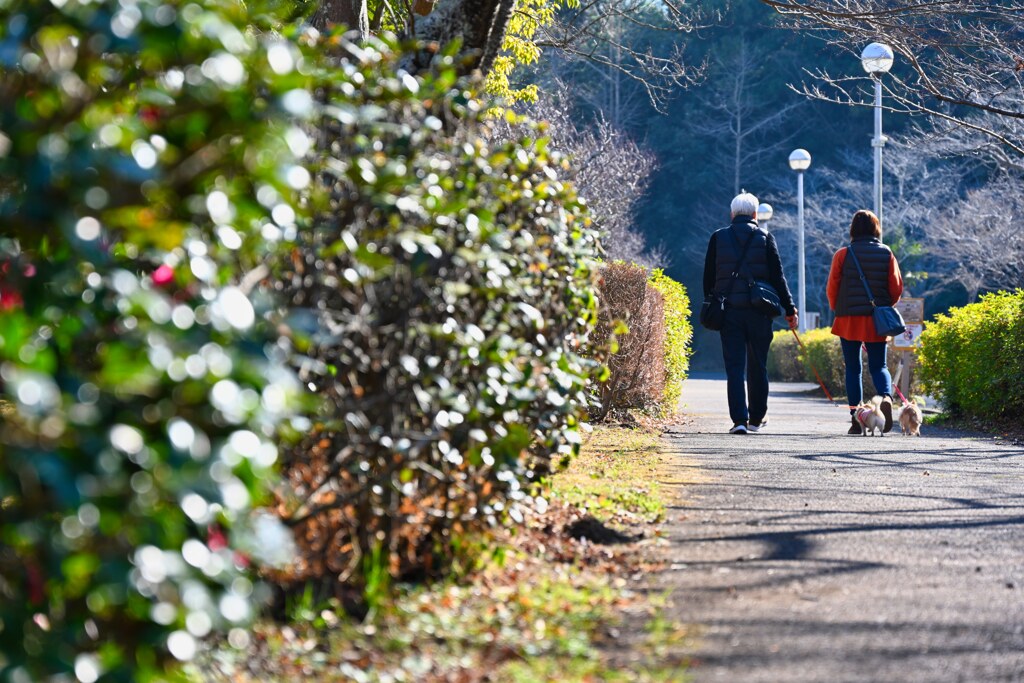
804 554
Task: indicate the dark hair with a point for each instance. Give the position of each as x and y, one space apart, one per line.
865 224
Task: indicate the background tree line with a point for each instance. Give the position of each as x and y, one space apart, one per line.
759 89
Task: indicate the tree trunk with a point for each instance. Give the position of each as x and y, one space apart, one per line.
351 13
479 24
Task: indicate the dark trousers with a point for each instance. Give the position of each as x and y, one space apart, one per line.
746 336
854 370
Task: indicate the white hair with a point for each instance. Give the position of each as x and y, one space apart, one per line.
744 204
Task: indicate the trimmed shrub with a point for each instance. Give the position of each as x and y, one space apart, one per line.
146 153
438 305
784 364
972 359
632 313
678 335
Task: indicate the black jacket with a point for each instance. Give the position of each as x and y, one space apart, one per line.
762 263
874 260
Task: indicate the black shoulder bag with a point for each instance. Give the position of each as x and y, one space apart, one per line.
888 321
712 311
763 297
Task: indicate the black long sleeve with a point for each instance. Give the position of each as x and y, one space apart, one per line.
775 276
710 267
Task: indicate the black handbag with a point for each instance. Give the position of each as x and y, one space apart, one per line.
888 321
764 299
712 311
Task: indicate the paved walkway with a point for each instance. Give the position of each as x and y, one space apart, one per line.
803 554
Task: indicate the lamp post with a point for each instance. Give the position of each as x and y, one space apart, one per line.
800 161
877 59
764 214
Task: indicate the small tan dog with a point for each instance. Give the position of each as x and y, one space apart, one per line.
910 419
869 416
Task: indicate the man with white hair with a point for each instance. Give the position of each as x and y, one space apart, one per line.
741 259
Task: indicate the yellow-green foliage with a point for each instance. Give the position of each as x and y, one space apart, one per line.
783 359
678 335
972 359
787 362
520 49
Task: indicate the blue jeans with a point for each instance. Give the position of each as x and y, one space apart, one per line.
854 370
746 336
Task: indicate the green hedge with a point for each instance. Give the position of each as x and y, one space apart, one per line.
678 338
972 359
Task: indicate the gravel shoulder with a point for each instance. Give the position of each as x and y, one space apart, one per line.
804 554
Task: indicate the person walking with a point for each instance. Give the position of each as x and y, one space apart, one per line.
738 256
854 326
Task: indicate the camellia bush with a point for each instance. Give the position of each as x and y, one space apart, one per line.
149 164
972 359
440 304
204 223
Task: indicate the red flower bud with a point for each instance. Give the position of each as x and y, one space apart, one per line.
163 275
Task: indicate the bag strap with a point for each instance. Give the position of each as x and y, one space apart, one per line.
743 253
739 263
864 280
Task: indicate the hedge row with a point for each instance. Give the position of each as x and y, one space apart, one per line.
209 222
647 314
439 305
678 338
788 362
972 359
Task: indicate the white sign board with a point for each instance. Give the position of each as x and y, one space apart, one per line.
910 338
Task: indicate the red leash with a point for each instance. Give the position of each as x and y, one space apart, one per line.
897 389
820 383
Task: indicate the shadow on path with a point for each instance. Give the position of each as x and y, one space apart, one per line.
809 555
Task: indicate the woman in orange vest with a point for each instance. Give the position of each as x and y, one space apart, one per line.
854 325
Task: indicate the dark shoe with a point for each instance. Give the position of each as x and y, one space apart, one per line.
855 426
886 408
738 429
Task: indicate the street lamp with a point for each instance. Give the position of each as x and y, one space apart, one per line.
764 214
877 60
800 161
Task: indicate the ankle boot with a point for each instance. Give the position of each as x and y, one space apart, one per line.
854 426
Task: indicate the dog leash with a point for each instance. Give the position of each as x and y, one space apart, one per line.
809 362
899 371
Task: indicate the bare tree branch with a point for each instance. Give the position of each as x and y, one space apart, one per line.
602 32
736 114
611 171
965 56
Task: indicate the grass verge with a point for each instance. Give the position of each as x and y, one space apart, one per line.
1000 429
545 607
614 478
